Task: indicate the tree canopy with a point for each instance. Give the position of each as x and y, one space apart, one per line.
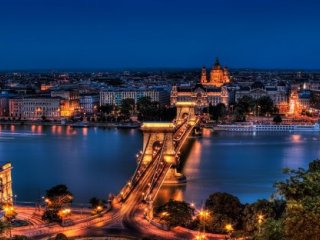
127 107
175 213
56 198
224 209
217 112
302 192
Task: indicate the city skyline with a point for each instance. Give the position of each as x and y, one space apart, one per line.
158 34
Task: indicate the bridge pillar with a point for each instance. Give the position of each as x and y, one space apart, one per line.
155 135
5 185
185 109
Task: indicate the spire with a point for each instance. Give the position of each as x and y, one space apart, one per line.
216 62
203 75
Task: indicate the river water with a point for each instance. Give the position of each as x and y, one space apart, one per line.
94 162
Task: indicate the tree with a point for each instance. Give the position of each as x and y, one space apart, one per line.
143 103
264 105
262 208
244 106
301 183
106 109
302 192
218 112
277 119
127 107
247 103
97 204
239 114
56 198
175 213
225 209
270 230
301 220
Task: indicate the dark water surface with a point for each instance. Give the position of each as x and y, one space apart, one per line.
95 161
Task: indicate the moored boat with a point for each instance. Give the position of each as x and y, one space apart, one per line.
250 127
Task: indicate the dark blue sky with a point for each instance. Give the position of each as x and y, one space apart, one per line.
61 34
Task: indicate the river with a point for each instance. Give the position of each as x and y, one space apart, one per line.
93 162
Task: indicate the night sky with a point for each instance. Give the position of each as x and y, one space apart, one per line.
93 34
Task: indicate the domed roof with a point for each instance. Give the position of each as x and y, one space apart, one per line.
257 84
217 64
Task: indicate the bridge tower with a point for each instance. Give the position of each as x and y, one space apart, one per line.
185 110
5 185
154 136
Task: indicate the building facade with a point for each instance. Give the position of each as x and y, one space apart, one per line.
114 97
89 103
278 94
206 92
219 76
201 95
4 103
34 108
70 102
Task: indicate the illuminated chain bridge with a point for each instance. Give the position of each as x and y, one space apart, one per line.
159 159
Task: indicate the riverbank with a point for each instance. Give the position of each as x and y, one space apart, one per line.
75 124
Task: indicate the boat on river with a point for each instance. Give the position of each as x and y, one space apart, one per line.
250 127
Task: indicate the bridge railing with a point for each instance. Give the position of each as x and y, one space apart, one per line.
130 187
157 170
154 189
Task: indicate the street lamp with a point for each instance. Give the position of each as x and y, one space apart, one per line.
203 215
229 229
63 213
260 220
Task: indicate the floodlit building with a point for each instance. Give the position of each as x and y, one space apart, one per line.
218 75
207 91
34 108
114 97
89 103
69 103
278 94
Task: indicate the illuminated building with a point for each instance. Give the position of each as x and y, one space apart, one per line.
88 103
34 108
218 75
206 92
278 94
4 103
5 185
300 101
201 95
114 97
69 103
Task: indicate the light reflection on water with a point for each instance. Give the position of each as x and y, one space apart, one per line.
95 161
244 164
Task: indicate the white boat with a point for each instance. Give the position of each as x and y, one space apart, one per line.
268 128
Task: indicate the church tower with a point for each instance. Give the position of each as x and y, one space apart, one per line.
203 75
